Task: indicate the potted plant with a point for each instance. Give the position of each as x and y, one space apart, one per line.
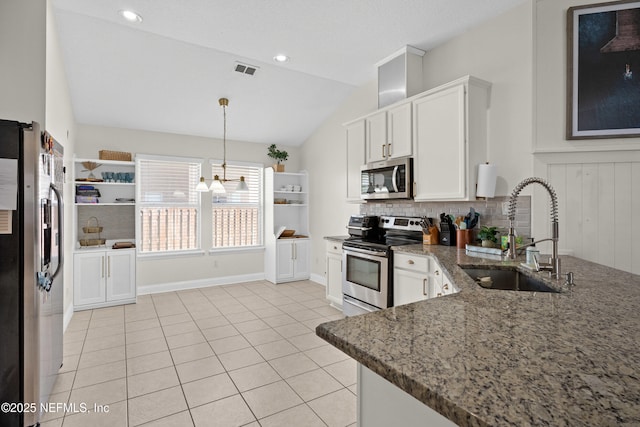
279 156
488 236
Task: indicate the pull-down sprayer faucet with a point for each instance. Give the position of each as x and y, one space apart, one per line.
553 266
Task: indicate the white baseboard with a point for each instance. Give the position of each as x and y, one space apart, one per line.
318 279
201 283
68 314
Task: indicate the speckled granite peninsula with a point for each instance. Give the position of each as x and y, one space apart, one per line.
485 357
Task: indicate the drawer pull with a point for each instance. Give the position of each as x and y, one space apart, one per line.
335 248
410 262
439 294
424 286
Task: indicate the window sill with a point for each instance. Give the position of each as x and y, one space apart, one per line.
252 249
171 254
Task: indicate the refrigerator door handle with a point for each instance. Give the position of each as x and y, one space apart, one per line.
60 228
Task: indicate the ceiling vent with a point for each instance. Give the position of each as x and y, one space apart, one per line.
245 68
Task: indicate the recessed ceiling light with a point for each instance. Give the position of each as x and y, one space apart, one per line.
281 58
130 16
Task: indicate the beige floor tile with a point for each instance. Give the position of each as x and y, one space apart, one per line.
104 332
292 307
205 314
262 337
307 341
106 321
72 349
305 315
244 316
345 371
353 389
228 344
151 381
116 416
313 323
262 400
218 332
63 382
292 330
313 384
77 325
212 322
294 364
144 335
267 312
149 362
228 412
327 311
279 320
154 406
281 301
315 303
73 336
170 310
140 325
209 389
191 352
52 423
101 394
275 349
180 328
336 409
57 399
100 373
175 318
101 343
70 363
232 308
146 347
253 376
181 419
300 415
198 369
140 316
240 358
89 359
186 339
251 326
326 355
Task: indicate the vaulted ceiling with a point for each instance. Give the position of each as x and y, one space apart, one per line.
167 72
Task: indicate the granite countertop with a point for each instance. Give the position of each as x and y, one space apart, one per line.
485 357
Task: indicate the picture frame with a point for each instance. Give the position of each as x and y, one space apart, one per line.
603 70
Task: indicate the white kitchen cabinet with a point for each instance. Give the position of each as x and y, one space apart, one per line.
450 139
334 273
286 259
103 278
389 133
292 260
355 159
418 277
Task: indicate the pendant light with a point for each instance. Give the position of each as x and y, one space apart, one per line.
217 183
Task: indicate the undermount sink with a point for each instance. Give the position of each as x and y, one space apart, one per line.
507 279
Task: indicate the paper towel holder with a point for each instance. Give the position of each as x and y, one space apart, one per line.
487 178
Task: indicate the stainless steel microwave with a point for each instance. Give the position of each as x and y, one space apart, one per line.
390 179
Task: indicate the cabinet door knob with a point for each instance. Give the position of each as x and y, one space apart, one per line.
439 294
437 272
335 248
410 262
446 286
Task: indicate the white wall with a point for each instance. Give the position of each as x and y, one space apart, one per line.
22 47
197 269
596 180
484 52
60 123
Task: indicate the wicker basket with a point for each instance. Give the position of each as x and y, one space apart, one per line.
89 229
114 155
92 242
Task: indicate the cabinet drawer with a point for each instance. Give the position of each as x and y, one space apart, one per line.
411 262
334 247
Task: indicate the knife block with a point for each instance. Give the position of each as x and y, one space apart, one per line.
432 238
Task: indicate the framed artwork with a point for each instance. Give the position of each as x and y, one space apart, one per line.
603 70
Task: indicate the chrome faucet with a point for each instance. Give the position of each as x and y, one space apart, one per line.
553 266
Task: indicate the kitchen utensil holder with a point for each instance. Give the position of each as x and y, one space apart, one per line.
447 234
432 238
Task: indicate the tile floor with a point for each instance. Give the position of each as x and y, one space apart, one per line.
235 355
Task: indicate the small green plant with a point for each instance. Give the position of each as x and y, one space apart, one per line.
488 233
277 155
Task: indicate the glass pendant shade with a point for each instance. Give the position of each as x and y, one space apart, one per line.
216 185
202 186
242 185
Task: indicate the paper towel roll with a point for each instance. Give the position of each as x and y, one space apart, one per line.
487 176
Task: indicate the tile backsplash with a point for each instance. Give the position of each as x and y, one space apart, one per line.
490 211
118 222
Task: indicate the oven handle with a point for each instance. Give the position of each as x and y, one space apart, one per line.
359 228
364 253
353 301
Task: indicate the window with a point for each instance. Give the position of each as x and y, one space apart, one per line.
237 216
169 206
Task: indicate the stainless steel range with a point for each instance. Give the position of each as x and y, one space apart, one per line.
367 274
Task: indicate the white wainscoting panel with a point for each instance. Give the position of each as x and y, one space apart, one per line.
599 206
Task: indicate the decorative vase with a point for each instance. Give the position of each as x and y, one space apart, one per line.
278 168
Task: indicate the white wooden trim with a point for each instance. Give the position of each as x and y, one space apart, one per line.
200 283
66 319
318 278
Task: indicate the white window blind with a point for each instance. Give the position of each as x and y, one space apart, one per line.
237 216
169 206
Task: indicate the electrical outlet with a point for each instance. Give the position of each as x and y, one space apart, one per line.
505 208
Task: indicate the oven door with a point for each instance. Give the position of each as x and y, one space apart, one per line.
365 276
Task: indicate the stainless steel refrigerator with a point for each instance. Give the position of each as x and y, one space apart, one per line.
31 270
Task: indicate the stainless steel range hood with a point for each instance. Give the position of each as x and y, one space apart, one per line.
399 75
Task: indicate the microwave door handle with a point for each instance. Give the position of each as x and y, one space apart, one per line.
394 180
59 231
